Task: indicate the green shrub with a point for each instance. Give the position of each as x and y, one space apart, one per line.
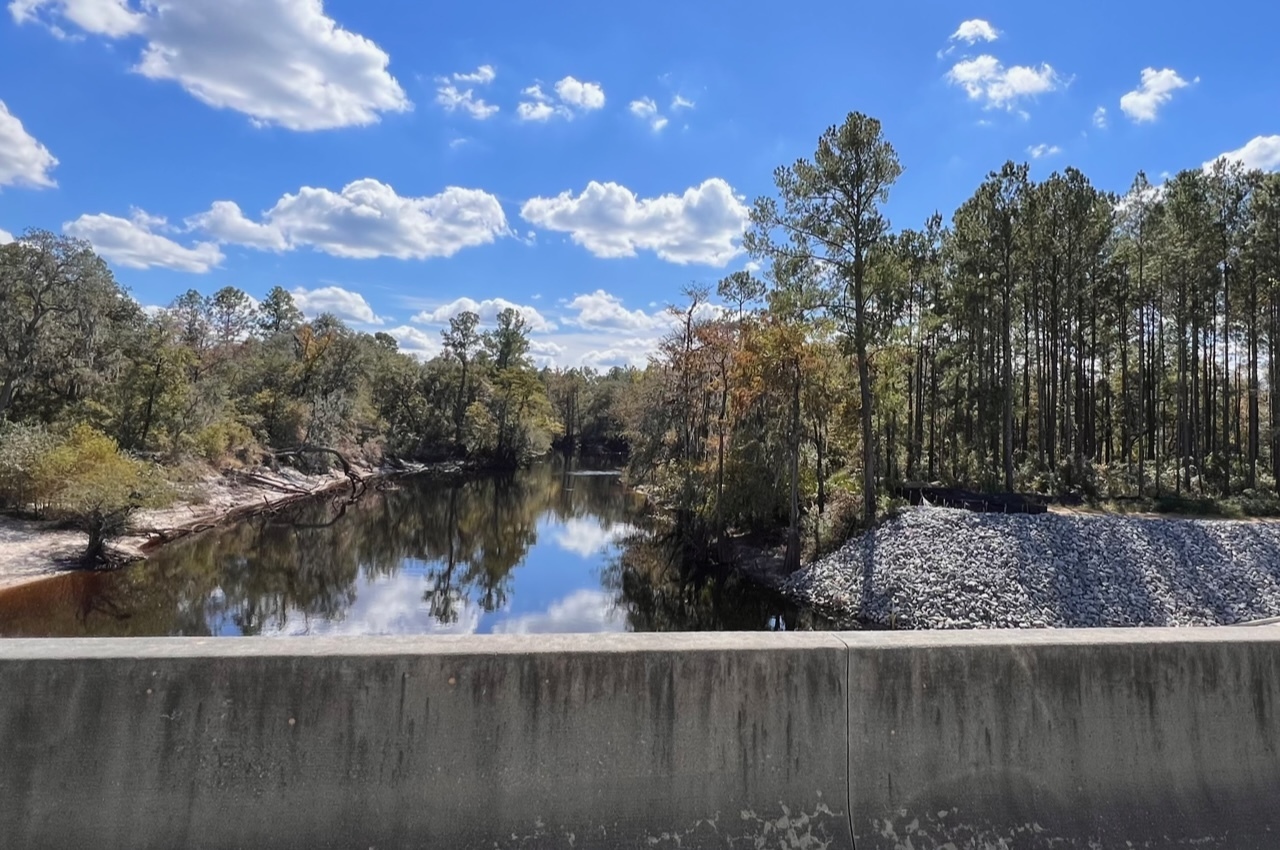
88 481
1256 503
223 440
1186 505
21 448
841 520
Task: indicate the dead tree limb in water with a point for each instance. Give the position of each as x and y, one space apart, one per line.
358 484
273 485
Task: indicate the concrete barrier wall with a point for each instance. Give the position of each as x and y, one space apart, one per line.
1062 739
591 742
1052 739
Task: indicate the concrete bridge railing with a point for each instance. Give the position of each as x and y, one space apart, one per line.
1048 739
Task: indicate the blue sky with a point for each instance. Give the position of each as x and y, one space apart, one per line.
387 160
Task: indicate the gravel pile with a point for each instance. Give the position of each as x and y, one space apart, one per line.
933 568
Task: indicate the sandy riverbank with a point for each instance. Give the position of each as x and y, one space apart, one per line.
31 551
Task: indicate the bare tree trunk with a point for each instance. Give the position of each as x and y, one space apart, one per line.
868 435
1142 384
933 414
1253 382
6 397
820 445
95 552
1006 322
460 410
792 559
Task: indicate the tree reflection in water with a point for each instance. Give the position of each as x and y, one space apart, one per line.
436 555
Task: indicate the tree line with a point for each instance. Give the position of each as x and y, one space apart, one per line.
96 393
1051 337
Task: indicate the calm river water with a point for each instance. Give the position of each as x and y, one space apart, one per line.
556 548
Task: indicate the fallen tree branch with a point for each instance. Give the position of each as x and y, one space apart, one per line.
274 485
148 538
358 485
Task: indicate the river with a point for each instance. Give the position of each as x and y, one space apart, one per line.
560 547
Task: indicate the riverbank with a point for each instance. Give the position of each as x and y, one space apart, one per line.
32 550
934 568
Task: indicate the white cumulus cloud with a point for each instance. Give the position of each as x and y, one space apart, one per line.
975 30
1043 150
582 95
1259 153
454 99
545 352
112 18
487 310
366 219
619 355
593 329
1100 118
986 79
608 333
604 349
343 303
282 62
483 75
703 225
679 102
5 237
134 243
415 342
601 309
646 108
571 96
534 111
23 160
539 106
1155 90
225 222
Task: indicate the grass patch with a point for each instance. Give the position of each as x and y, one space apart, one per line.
1249 504
1192 507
